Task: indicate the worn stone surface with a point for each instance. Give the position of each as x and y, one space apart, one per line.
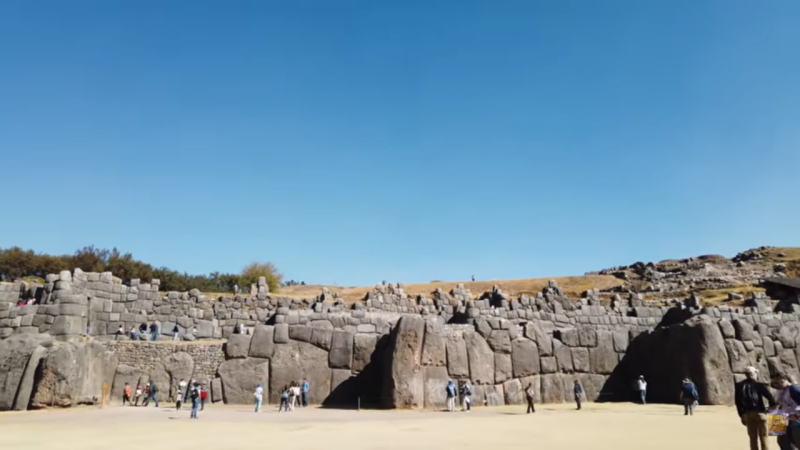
434 350
295 361
403 383
524 357
15 355
341 354
363 349
238 346
240 378
457 359
262 343
502 367
74 373
481 359
435 382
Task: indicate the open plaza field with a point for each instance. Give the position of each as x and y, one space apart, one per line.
597 426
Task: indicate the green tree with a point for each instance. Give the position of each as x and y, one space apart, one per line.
252 272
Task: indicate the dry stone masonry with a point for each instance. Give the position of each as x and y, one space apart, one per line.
391 350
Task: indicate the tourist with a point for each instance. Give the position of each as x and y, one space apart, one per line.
203 397
154 331
153 392
143 331
641 387
194 395
146 395
179 401
182 386
529 396
121 330
126 394
305 393
133 334
284 399
466 396
138 395
689 397
176 333
578 392
749 395
451 396
789 400
295 394
259 395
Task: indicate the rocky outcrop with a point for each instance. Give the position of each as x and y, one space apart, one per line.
240 377
19 358
74 373
404 381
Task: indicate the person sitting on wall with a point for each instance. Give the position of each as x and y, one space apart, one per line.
133 334
143 331
121 330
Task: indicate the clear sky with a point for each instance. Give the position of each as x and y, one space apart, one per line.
351 142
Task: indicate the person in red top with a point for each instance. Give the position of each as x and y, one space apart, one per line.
126 395
203 397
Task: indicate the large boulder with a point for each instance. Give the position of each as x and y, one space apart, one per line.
433 350
74 373
603 359
238 346
240 377
553 388
543 340
295 361
435 383
457 359
481 359
19 358
363 349
524 357
262 343
125 374
341 354
403 377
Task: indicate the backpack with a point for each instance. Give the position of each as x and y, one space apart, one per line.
751 400
193 394
451 390
689 391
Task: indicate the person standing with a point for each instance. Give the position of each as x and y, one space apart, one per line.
689 397
194 395
284 399
529 395
138 395
259 396
182 387
133 334
305 392
641 386
203 397
146 395
789 400
153 392
154 331
451 396
178 401
126 395
466 395
295 395
749 395
578 391
176 333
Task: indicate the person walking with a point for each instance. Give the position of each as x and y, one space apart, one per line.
577 390
182 386
203 397
178 401
641 386
529 395
305 392
153 393
466 396
146 395
788 399
295 394
689 397
194 395
138 395
126 395
284 399
259 396
749 396
451 396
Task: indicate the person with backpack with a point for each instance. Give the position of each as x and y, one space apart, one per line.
284 399
466 395
749 396
577 390
529 395
194 395
451 396
689 397
789 400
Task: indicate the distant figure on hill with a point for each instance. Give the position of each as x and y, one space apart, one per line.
578 391
689 397
473 278
749 395
641 387
529 395
451 396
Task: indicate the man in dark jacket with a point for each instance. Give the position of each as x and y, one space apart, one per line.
750 395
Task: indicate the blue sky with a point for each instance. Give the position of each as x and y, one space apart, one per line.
351 142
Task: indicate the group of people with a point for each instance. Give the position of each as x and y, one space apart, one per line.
292 394
750 395
143 331
464 390
194 392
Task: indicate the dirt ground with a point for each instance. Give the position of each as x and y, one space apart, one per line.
597 426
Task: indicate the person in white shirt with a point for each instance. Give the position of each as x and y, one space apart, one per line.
182 387
295 395
259 395
642 387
